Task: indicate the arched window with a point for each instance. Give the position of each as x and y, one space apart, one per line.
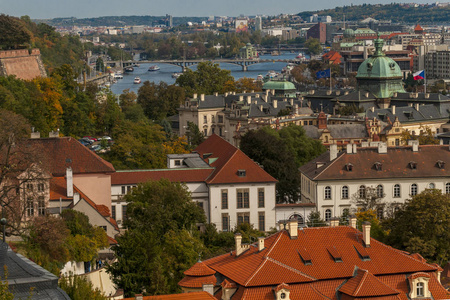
397 193
362 192
380 213
327 192
380 191
420 289
447 188
299 218
328 215
344 194
413 189
431 186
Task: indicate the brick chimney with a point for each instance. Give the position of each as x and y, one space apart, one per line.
194 96
260 243
209 288
35 135
202 97
334 222
366 233
69 182
275 103
322 120
139 297
352 221
333 152
293 228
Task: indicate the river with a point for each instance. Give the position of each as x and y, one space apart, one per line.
166 71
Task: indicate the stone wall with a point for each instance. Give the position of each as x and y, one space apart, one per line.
22 64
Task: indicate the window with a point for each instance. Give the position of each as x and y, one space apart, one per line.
224 199
380 213
177 162
104 228
30 207
41 206
113 211
242 173
123 190
362 192
220 131
30 187
225 222
205 131
124 212
129 188
243 218
261 197
213 129
261 222
205 119
420 289
242 198
413 189
344 194
380 191
40 187
220 119
431 186
200 204
397 193
327 192
447 188
212 119
299 218
328 215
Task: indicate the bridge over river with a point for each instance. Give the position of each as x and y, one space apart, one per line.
183 64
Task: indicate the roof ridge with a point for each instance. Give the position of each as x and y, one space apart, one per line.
256 272
168 169
317 291
361 282
290 268
280 234
329 165
223 166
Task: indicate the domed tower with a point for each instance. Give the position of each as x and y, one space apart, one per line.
380 75
197 276
349 34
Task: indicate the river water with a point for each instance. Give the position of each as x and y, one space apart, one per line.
166 71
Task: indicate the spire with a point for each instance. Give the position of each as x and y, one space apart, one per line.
378 46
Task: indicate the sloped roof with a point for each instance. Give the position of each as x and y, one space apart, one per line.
365 284
199 269
197 282
227 160
193 296
175 175
67 152
395 164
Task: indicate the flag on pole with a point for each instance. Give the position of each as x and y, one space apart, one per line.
419 75
323 74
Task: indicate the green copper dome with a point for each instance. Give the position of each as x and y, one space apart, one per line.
349 33
278 85
380 74
379 65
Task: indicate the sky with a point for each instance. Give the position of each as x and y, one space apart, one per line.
47 9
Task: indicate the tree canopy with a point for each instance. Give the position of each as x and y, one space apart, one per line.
14 33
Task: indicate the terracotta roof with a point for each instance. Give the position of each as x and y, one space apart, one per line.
418 28
67 152
193 296
58 188
174 175
111 241
227 160
197 282
228 285
365 284
199 269
395 164
418 274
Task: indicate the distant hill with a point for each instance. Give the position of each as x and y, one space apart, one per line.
397 13
118 21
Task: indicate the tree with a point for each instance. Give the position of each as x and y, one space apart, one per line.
367 198
194 136
14 33
425 137
161 238
79 288
315 220
207 79
423 226
313 46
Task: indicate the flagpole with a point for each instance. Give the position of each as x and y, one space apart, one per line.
425 81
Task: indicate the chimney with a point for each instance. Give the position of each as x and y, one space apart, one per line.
226 94
372 109
393 109
238 242
273 92
441 142
241 98
291 102
261 108
53 134
202 97
334 222
249 99
382 148
35 135
296 109
415 145
364 144
216 94
427 96
267 92
139 297
354 148
69 182
194 96
260 243
367 95
76 198
416 106
333 152
349 149
209 288
352 221
293 228
252 91
366 234
275 103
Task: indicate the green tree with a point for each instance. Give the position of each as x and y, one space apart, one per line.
207 79
161 238
315 220
79 288
425 137
194 136
14 33
423 226
313 46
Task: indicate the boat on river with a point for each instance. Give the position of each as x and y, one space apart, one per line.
176 75
154 68
129 69
137 80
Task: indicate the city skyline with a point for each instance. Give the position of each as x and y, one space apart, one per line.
39 9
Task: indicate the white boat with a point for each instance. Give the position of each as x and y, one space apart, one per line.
154 68
137 80
260 77
118 75
176 75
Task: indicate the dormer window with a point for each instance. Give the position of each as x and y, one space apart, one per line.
349 167
378 166
418 283
440 164
337 257
242 173
413 165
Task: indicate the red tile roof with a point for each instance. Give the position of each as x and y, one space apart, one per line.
365 284
197 282
67 152
227 160
193 296
58 188
174 175
199 269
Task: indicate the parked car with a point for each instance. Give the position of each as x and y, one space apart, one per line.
86 141
96 148
90 137
108 138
